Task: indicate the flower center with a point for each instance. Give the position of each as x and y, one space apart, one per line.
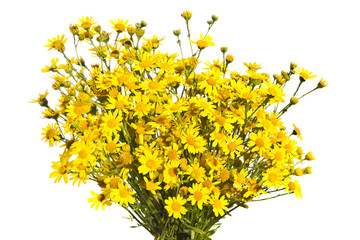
83 153
190 140
141 106
145 64
232 146
217 204
211 81
260 142
151 164
175 206
202 44
123 193
273 177
112 123
198 195
173 172
292 186
50 133
111 147
173 155
154 85
120 105
220 120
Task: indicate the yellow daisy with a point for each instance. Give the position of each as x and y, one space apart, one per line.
57 43
174 206
200 195
219 204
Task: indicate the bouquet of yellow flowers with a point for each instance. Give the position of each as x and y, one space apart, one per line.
178 147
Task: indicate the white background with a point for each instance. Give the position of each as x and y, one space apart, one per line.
322 36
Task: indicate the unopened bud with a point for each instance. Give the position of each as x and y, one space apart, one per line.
214 18
140 32
177 32
229 58
294 100
186 15
285 75
97 28
143 24
223 49
74 29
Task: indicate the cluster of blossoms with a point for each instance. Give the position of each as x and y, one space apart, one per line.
168 142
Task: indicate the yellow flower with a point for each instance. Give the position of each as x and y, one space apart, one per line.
196 172
232 146
150 162
152 186
119 25
99 200
51 134
123 195
61 171
304 74
204 42
200 195
186 15
57 43
273 178
174 206
111 122
86 23
297 132
219 204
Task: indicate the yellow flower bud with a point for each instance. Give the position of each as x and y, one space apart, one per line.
229 58
322 83
186 15
177 32
140 32
309 156
307 170
223 49
298 172
294 100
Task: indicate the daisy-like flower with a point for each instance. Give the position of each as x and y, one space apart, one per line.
297 132
150 162
123 195
61 171
193 142
51 134
171 171
57 43
142 105
52 67
120 103
253 66
111 122
304 74
86 22
199 195
174 206
219 204
151 185
196 172
260 142
232 146
240 178
293 186
119 25
204 42
273 177
99 200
